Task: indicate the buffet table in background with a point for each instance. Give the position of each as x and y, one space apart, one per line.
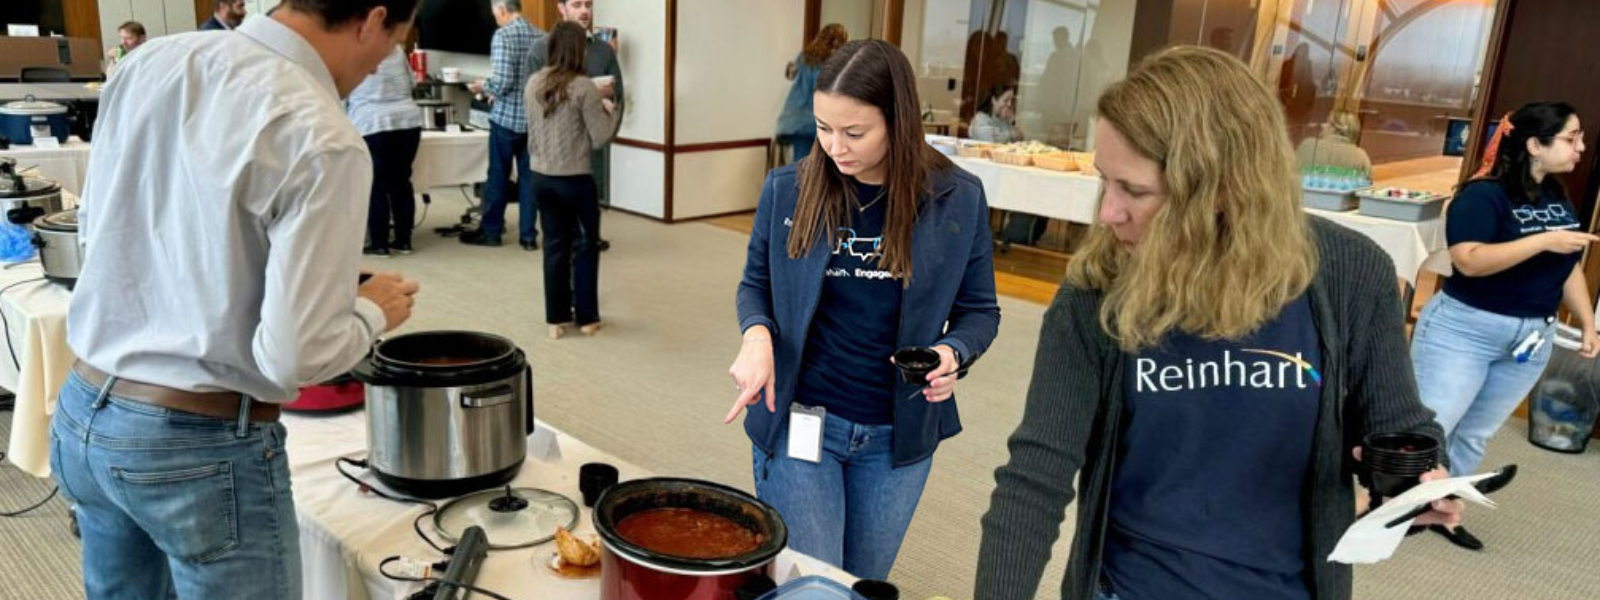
444 159
1074 197
344 533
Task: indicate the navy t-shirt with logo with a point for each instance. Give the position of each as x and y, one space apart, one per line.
1483 212
846 365
1208 494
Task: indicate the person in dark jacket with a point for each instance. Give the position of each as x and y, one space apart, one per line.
877 243
1208 368
226 15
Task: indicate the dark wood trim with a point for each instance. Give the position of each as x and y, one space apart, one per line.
742 211
715 146
82 19
672 110
1493 62
544 16
894 17
203 10
813 22
633 143
636 214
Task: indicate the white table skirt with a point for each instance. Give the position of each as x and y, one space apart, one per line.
65 165
35 361
443 160
344 534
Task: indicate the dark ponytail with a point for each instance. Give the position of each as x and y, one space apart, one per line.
1513 165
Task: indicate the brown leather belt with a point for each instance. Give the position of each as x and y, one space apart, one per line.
222 405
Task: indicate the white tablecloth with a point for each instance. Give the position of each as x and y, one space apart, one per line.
1074 197
36 359
1066 196
1412 246
443 160
345 534
450 159
35 314
65 165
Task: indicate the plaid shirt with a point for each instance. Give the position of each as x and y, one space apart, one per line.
508 53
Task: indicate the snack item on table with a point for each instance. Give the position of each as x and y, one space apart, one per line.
575 551
974 149
1029 147
1056 161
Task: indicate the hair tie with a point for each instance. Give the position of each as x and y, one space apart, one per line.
1492 150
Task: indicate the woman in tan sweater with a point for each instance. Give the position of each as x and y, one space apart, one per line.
567 119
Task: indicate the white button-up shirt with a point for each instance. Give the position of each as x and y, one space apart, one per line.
223 213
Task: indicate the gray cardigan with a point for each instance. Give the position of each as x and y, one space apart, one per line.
1074 406
561 144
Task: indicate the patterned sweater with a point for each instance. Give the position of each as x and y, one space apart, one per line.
560 144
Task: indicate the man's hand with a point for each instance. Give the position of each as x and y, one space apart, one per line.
392 293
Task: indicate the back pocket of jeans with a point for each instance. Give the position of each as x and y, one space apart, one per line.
190 513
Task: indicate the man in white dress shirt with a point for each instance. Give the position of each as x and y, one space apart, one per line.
221 214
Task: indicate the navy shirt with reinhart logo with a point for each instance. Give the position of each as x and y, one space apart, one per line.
846 367
1208 496
1483 212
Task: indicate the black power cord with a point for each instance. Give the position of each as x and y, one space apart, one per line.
6 325
416 525
440 581
53 489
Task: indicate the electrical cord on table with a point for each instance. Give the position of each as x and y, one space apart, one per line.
6 325
416 525
437 580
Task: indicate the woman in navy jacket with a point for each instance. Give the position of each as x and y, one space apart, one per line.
876 242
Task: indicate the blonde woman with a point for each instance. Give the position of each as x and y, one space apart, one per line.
1210 363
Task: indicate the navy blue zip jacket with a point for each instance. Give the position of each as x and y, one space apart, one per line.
951 300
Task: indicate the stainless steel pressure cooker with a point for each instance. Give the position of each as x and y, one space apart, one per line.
448 412
60 248
24 199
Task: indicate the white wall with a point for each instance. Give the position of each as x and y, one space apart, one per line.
731 55
642 34
730 86
638 180
854 15
159 17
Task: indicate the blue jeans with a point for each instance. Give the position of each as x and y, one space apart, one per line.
170 502
505 147
1467 375
852 509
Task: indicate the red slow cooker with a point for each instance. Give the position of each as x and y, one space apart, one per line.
633 572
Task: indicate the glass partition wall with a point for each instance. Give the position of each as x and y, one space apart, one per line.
1380 89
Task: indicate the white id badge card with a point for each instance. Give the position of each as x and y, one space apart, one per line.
805 432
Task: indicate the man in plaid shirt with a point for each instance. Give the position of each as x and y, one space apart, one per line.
508 128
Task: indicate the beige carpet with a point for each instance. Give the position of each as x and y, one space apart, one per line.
653 386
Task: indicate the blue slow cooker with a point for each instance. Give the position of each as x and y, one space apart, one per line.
22 120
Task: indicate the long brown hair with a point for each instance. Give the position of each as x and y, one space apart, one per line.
568 51
1230 246
827 41
874 73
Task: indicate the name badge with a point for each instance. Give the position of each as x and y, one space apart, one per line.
805 432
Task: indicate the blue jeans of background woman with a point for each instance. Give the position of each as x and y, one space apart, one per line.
1467 375
572 248
852 509
173 502
392 195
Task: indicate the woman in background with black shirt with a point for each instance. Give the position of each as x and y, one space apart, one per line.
1516 243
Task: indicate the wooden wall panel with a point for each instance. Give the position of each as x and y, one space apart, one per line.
83 18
